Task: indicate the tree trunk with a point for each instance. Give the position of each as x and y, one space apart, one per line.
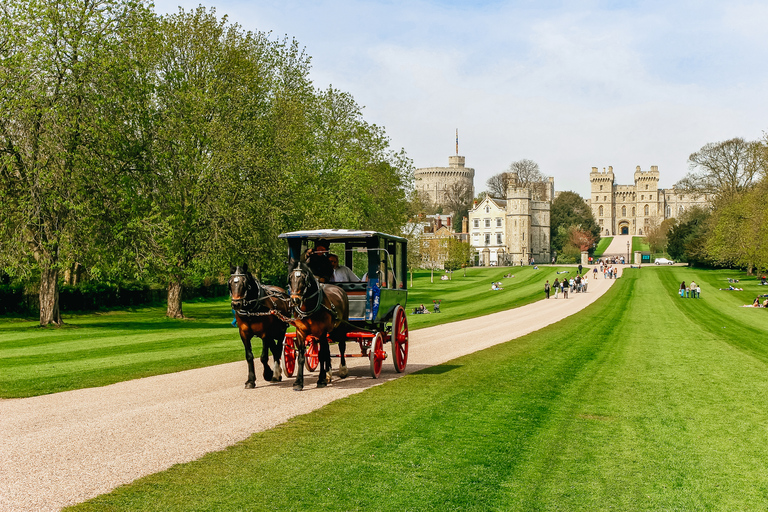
49 297
174 300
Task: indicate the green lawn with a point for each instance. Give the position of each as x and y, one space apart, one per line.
643 401
602 245
104 348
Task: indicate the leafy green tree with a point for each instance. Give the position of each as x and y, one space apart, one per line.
569 210
54 60
738 234
687 240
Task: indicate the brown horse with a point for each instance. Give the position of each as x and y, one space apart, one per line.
319 310
253 304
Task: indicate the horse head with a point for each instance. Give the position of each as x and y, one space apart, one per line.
240 283
300 282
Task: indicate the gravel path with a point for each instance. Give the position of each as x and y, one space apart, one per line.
61 449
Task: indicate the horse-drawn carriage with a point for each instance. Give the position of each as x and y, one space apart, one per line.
365 303
376 299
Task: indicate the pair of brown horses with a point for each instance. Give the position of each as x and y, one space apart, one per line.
317 310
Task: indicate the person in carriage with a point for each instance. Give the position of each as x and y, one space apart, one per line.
341 273
318 261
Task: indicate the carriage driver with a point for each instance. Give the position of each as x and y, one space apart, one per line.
318 262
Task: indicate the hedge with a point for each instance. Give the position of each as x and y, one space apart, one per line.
94 296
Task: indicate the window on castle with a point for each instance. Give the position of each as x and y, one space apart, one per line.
642 198
487 239
651 196
487 209
601 222
605 198
633 211
600 211
476 223
601 187
623 211
646 187
498 238
669 212
487 223
646 209
498 222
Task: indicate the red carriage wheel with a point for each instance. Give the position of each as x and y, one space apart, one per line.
399 339
289 354
312 357
377 355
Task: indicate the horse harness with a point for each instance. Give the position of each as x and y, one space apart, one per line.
263 294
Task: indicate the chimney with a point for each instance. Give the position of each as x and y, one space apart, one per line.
465 225
438 223
448 222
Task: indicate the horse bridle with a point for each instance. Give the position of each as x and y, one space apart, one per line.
299 272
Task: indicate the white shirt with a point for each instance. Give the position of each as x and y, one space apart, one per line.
344 274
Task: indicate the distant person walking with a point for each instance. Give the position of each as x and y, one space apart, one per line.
546 288
556 285
682 289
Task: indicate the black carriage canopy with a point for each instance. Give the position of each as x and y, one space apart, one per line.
370 255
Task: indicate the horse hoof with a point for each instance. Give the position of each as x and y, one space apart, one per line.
250 385
277 379
343 372
298 387
321 384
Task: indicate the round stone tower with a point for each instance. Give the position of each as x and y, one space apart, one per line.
433 182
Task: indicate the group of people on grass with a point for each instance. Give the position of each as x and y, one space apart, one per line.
757 304
692 291
577 284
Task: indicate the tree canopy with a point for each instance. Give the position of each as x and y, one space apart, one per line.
571 219
166 147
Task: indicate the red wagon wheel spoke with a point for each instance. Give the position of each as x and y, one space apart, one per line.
377 355
312 357
289 355
400 339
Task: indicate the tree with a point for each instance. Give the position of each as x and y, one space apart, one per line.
459 200
656 235
687 239
723 169
570 210
54 60
738 231
528 176
459 254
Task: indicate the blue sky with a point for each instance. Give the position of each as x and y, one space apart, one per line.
570 85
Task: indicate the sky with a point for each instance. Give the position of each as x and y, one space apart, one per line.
569 85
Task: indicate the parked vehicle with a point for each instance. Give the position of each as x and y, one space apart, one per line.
663 261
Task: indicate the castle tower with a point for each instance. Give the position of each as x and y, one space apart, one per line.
647 199
518 220
602 200
434 182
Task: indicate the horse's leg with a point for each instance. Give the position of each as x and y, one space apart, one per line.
325 362
300 347
343 371
277 353
266 344
251 382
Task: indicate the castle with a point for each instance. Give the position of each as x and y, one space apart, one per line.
633 209
512 230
